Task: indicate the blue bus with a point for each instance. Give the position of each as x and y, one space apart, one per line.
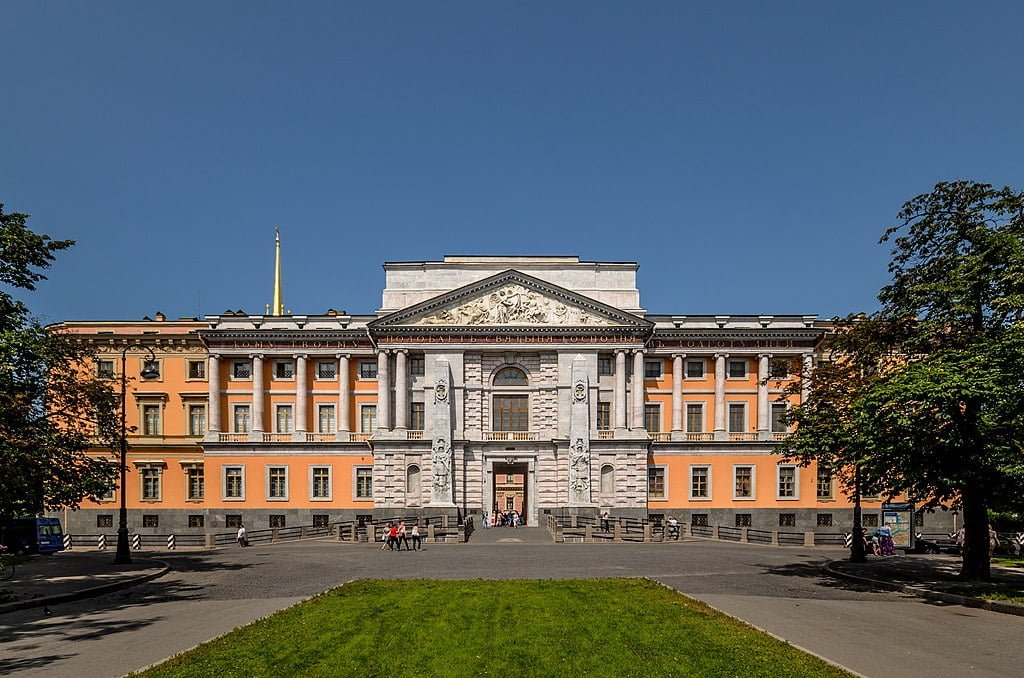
32 535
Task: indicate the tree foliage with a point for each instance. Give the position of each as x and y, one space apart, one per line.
926 396
50 406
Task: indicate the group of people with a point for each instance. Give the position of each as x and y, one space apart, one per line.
993 540
511 519
396 534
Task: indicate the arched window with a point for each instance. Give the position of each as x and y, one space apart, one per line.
607 480
413 488
510 376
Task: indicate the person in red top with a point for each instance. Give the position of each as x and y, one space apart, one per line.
392 536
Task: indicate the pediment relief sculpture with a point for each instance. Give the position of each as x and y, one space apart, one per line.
514 305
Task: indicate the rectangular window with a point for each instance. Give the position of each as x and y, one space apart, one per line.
105 369
787 482
695 417
778 412
367 369
156 368
150 520
779 368
150 420
150 483
277 482
869 520
196 483
417 416
284 369
737 369
327 369
787 520
364 482
276 520
700 482
699 519
824 483
321 520
234 487
368 418
105 520
652 369
737 417
241 369
241 418
511 413
232 520
417 366
197 420
197 520
824 520
694 369
321 486
743 487
283 418
604 416
197 369
604 365
743 520
652 418
325 418
656 482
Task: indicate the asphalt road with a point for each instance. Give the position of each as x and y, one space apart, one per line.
779 590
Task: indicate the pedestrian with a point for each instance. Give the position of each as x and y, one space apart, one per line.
483 519
885 541
604 521
392 536
416 537
673 528
993 540
242 539
402 538
384 538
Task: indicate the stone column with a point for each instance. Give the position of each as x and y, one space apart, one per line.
256 430
301 398
213 402
383 392
720 432
344 398
806 376
763 420
638 389
620 389
677 392
401 391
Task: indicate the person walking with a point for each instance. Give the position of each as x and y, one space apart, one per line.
483 519
384 540
416 537
604 521
392 536
402 537
240 537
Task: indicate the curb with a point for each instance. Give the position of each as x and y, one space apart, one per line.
90 592
922 592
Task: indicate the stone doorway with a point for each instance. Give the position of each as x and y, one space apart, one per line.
510 490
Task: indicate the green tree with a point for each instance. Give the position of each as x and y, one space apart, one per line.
932 399
50 403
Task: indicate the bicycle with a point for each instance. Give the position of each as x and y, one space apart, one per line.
6 564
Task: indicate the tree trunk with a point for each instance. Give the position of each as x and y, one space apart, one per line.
976 564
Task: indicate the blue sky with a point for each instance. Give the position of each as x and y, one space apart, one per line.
747 155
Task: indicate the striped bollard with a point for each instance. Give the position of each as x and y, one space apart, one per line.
67 542
170 542
1020 538
848 538
136 542
101 542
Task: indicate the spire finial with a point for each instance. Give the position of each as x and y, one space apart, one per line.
278 306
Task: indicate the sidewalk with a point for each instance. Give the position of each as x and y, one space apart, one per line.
66 576
932 577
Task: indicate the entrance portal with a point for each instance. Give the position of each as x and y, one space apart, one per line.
508 487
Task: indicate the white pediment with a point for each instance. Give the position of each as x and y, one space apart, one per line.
516 305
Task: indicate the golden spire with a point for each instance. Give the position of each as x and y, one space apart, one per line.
278 306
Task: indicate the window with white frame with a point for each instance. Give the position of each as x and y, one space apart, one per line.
605 365
196 420
320 482
824 482
737 417
700 482
694 369
151 420
327 369
367 418
652 417
779 368
737 369
363 482
652 369
417 365
656 485
234 482
150 478
777 415
743 482
277 483
197 369
695 417
241 369
156 369
240 418
195 483
283 418
367 369
325 418
105 369
787 482
284 369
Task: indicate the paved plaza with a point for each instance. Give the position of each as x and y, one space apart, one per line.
779 590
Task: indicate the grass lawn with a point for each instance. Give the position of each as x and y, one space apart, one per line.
1008 562
1012 593
597 627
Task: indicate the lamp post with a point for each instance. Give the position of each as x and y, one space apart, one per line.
124 555
857 545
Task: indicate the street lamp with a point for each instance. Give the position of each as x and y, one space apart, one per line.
149 370
857 545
